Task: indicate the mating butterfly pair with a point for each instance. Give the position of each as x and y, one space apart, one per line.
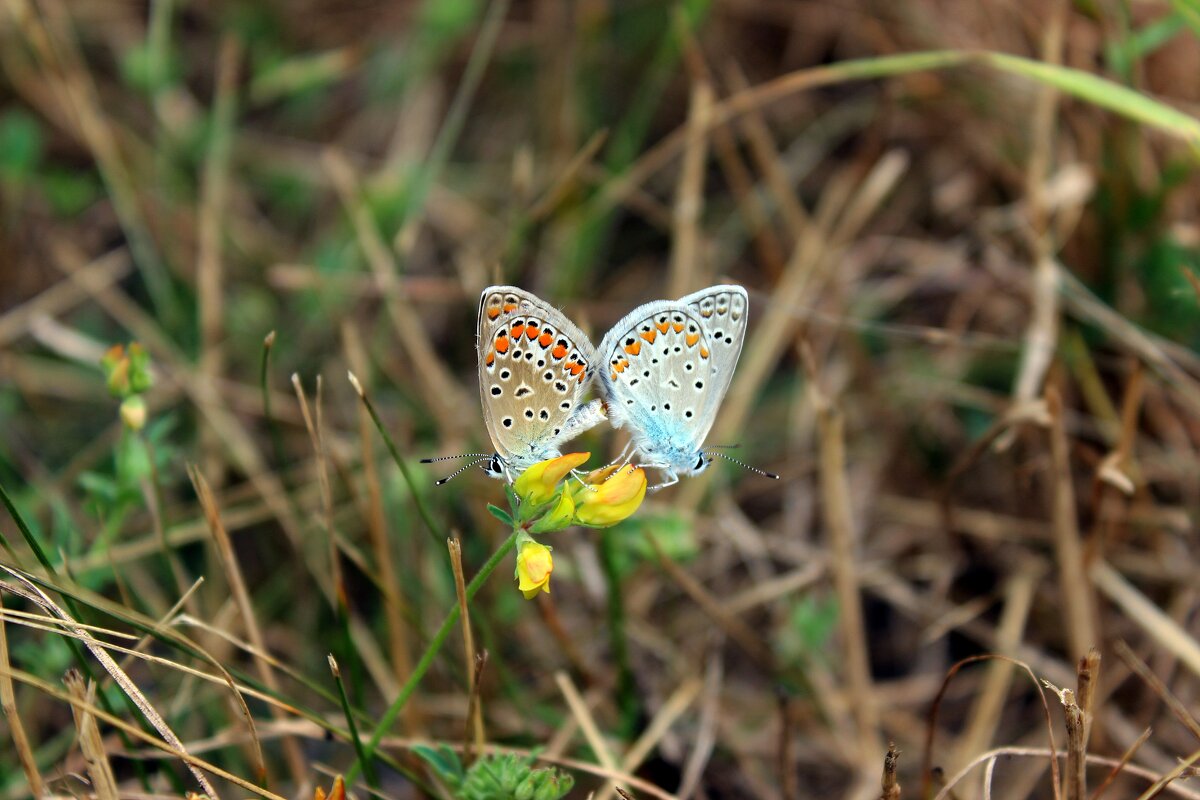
663 371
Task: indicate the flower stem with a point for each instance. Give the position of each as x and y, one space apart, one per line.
439 638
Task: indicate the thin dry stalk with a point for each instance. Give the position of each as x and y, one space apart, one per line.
1144 613
706 735
104 782
443 397
766 157
984 716
63 295
1078 603
741 183
566 180
393 600
1184 768
16 728
689 195
586 722
1143 671
210 272
1126 758
839 524
169 745
927 768
30 591
737 630
241 597
316 437
679 701
1074 776
889 783
460 587
1087 679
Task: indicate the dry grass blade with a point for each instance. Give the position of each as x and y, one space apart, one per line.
689 197
1144 613
587 723
16 728
197 766
31 592
1143 671
679 701
927 760
1184 768
104 783
1078 603
210 273
839 524
475 721
241 597
706 736
1126 757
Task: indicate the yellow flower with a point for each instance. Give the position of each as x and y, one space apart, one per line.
538 484
133 412
558 517
610 496
534 565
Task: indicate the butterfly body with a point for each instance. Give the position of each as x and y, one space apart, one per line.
664 370
534 366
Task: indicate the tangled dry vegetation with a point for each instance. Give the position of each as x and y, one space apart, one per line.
969 235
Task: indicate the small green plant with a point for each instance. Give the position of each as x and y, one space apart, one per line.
497 776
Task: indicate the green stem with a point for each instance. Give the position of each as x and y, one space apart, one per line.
626 696
364 763
408 478
265 384
439 638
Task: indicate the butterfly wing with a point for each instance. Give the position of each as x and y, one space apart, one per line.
723 312
656 367
534 366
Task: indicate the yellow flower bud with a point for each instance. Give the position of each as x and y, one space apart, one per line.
538 484
133 412
534 565
558 517
610 496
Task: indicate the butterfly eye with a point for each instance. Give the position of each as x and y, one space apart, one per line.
701 463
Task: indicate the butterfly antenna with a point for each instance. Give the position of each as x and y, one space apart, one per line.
726 446
762 472
452 458
459 471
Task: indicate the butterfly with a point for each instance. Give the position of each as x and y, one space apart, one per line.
666 368
534 366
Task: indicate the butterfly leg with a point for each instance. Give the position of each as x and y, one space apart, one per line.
669 474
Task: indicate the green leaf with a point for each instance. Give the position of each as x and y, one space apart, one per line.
500 514
444 762
20 145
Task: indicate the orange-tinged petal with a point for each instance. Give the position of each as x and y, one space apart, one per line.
614 498
538 484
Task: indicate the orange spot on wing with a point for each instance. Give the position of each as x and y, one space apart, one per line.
678 327
575 367
619 366
662 326
545 339
581 377
624 363
649 336
517 330
509 308
692 338
531 331
501 344
614 376
493 312
491 358
558 352
633 349
704 352
706 313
